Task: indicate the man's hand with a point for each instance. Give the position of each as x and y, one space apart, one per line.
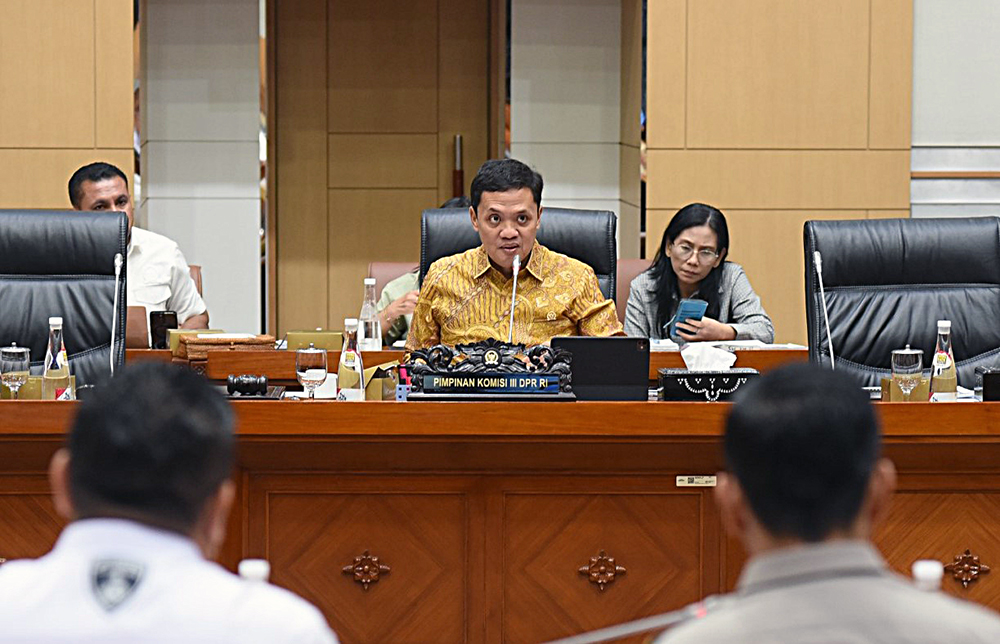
403 305
705 329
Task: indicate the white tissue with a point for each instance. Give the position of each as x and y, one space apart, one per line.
703 357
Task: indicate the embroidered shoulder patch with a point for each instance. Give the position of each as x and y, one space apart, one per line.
113 581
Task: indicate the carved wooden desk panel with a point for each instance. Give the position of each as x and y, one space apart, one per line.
472 521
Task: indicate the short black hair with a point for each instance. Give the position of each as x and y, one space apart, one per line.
501 175
94 172
802 442
153 444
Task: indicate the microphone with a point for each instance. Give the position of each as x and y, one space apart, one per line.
818 259
513 299
646 624
114 308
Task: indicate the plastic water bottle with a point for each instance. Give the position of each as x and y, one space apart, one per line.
927 574
258 570
56 384
370 331
350 373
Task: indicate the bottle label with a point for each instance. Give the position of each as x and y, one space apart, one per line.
941 361
349 358
351 395
64 394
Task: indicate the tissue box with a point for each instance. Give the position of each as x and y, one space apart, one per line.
988 383
174 336
381 381
892 393
31 390
710 386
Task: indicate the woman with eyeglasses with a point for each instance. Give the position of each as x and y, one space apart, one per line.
691 263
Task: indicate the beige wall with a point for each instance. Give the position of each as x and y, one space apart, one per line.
777 112
369 96
65 94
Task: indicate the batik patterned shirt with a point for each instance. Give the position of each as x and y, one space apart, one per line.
465 299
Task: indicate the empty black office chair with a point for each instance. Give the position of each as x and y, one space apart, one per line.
62 263
584 235
889 281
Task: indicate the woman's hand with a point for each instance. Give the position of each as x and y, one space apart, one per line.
402 305
705 329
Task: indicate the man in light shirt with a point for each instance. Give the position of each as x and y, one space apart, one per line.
158 276
144 482
805 486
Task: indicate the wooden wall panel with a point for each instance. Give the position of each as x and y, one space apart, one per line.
888 214
777 74
300 164
382 161
364 226
666 74
369 99
47 74
383 66
787 110
114 74
780 179
37 178
890 111
463 89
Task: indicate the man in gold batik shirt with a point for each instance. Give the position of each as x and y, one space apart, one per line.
466 297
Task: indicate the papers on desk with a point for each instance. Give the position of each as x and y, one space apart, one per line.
730 345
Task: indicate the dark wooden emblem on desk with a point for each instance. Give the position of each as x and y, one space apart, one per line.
967 568
488 358
602 570
366 569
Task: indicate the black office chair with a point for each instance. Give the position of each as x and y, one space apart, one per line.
584 235
889 281
62 263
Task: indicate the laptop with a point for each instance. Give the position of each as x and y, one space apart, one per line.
615 368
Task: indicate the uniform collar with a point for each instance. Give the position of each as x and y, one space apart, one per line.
481 261
100 537
810 562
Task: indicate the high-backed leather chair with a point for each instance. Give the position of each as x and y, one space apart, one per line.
889 281
62 263
585 235
628 270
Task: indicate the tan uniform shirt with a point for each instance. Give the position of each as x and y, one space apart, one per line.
835 593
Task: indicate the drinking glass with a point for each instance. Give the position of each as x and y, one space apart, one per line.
14 367
907 366
310 368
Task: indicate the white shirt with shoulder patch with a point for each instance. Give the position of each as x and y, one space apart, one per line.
159 277
112 581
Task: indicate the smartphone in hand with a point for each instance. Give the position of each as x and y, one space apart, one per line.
688 310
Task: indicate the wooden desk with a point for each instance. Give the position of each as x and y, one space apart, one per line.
158 355
484 512
280 365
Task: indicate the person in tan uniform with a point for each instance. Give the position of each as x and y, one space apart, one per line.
805 485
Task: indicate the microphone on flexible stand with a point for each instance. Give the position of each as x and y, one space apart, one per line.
114 308
818 259
647 624
513 299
